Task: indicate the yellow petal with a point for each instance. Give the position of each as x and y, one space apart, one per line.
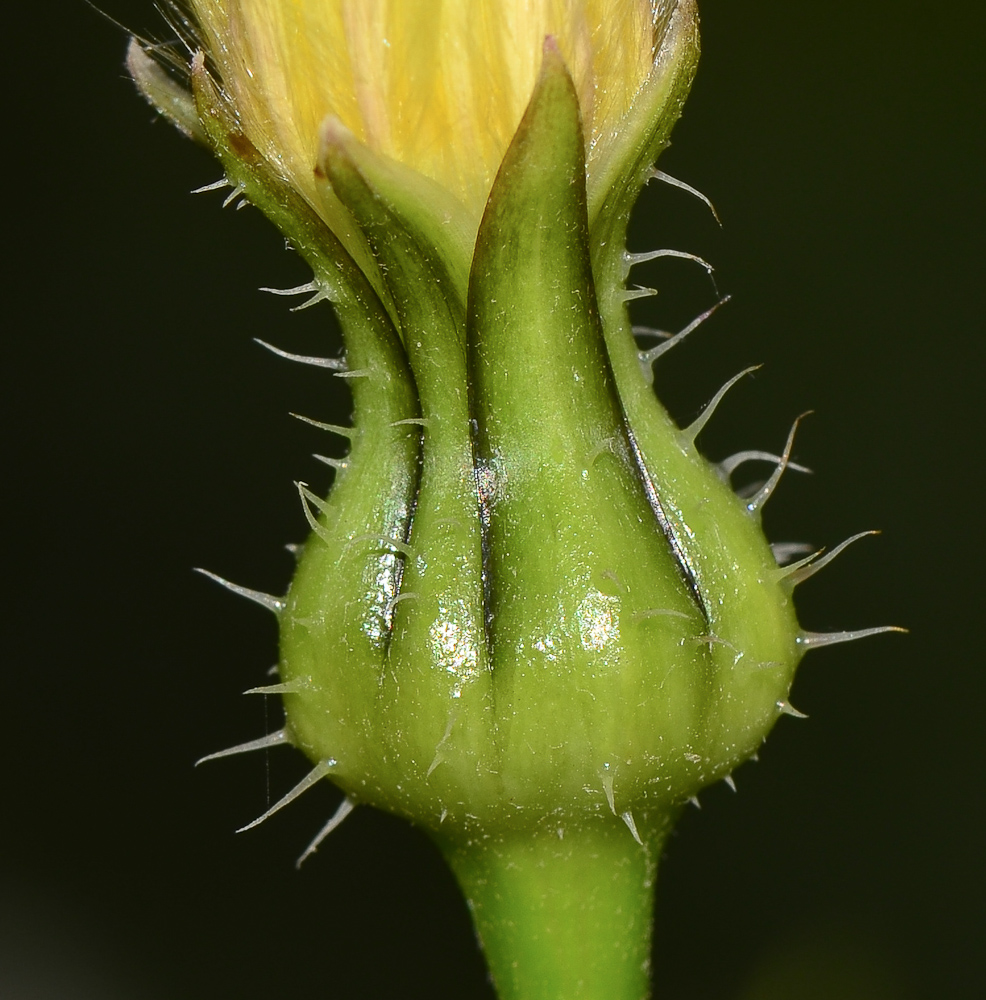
439 85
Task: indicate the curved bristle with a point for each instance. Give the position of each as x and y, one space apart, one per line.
729 465
692 431
648 357
345 808
766 491
664 178
316 774
275 604
807 568
271 740
335 364
633 259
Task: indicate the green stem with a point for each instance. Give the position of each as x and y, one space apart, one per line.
563 914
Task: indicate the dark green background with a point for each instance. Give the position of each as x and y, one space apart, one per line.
842 143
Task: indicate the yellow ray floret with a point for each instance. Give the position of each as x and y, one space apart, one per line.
439 85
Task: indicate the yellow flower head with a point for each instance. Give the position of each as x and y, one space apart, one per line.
438 85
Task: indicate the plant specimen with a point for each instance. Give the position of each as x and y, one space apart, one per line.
530 617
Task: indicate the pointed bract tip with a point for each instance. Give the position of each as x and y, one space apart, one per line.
336 148
164 93
553 69
333 132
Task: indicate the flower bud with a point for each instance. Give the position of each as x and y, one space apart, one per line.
542 635
530 616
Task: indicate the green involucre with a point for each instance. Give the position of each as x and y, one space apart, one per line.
584 621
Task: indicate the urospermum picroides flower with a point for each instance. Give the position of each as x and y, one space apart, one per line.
530 617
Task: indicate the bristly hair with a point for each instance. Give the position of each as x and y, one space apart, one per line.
175 53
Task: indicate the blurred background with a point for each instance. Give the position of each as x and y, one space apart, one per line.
842 144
